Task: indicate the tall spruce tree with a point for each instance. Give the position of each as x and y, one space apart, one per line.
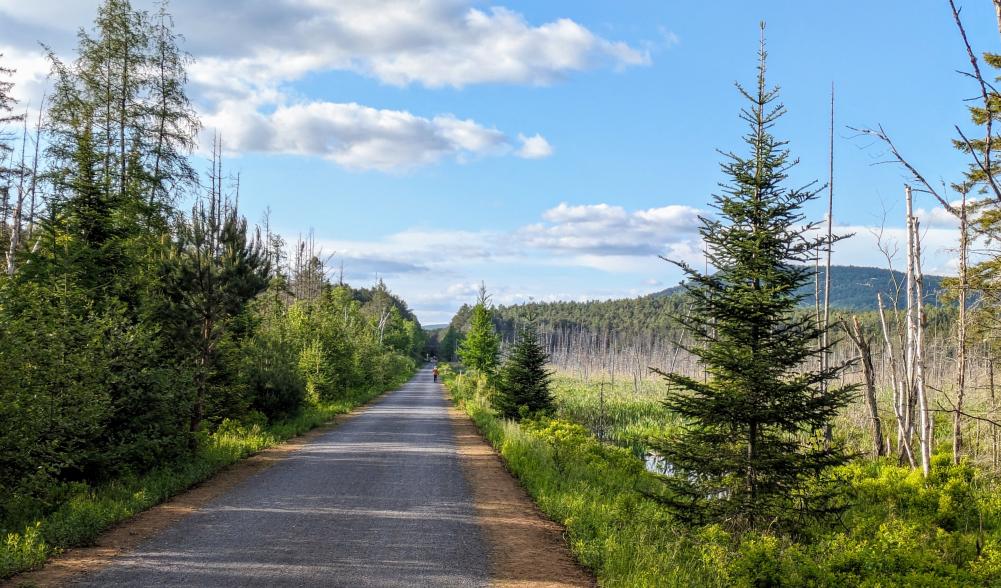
480 347
749 455
523 386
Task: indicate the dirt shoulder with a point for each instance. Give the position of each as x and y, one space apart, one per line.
526 548
125 536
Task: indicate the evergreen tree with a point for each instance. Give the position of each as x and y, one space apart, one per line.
87 217
214 270
172 125
749 450
981 183
481 345
523 386
448 344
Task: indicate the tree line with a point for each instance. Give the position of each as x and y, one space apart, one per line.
139 310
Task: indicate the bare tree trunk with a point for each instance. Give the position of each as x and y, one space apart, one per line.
899 398
825 338
909 322
15 229
994 406
997 12
34 168
862 344
915 332
957 423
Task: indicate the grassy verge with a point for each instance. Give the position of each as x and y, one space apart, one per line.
596 491
88 511
901 530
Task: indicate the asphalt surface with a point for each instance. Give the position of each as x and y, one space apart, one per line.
380 500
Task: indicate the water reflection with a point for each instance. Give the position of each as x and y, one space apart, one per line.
657 464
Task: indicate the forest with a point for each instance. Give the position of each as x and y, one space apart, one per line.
149 334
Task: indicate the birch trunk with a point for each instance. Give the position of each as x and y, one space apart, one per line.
916 322
910 324
899 400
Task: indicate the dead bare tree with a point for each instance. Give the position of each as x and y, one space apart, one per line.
957 419
16 220
997 12
900 395
825 356
865 352
982 156
915 332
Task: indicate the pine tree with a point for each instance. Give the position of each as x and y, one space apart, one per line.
523 386
173 124
87 217
749 450
213 271
448 344
481 345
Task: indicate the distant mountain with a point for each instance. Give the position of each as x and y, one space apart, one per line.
855 288
435 327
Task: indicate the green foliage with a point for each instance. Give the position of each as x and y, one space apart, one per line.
86 511
523 385
448 344
480 348
624 413
271 372
144 348
900 529
980 188
651 317
746 455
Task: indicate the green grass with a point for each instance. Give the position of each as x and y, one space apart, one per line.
900 530
87 511
631 415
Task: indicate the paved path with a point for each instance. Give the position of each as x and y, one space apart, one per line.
378 501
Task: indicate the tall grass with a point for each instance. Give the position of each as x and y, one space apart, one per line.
86 511
624 413
900 529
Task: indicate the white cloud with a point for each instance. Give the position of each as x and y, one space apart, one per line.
606 230
437 276
433 43
639 236
355 136
937 217
938 247
534 147
439 270
249 54
52 13
31 68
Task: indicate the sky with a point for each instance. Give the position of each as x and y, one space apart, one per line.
552 150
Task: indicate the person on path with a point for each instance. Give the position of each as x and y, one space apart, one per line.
434 373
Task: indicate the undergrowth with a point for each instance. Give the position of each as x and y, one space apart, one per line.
901 530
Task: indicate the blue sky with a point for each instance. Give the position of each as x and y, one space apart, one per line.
550 149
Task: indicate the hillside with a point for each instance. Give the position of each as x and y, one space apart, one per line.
852 289
855 288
